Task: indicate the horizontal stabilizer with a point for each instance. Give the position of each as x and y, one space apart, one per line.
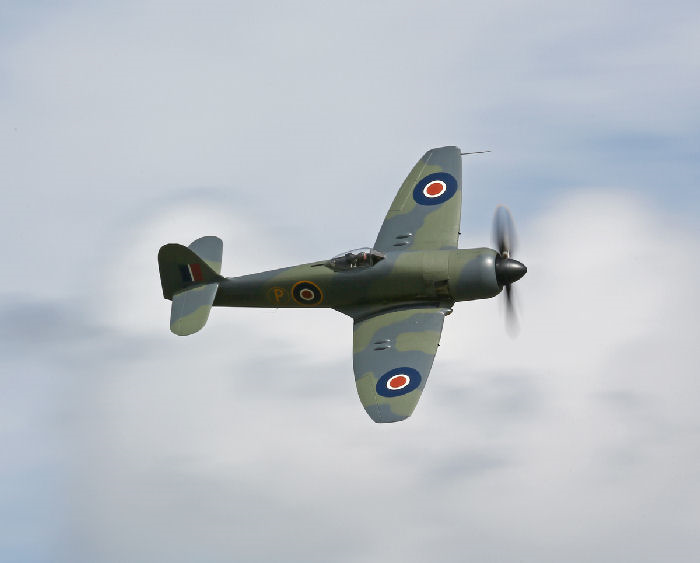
210 249
190 309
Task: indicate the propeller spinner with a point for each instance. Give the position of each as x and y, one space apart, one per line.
508 270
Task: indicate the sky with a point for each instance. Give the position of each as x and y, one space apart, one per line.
286 129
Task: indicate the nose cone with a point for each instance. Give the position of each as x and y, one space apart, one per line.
509 270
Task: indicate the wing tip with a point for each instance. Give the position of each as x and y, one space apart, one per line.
382 414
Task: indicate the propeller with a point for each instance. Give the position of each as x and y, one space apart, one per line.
508 270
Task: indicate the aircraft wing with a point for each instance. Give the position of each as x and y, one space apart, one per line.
392 356
426 211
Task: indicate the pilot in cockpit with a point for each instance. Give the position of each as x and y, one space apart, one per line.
360 258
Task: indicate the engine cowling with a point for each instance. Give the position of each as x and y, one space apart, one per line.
473 274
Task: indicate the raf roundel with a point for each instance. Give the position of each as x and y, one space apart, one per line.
398 381
307 293
435 189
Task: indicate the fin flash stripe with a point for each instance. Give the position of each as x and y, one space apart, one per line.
191 272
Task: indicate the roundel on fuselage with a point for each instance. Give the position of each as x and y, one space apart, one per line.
307 293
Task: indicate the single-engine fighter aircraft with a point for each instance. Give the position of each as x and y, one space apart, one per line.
398 292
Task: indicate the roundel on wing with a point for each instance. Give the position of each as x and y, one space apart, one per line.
307 293
435 189
398 381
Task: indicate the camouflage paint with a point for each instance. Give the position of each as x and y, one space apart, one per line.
451 275
210 249
392 340
398 305
408 217
190 310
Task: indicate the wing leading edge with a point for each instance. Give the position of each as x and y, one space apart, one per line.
426 211
392 356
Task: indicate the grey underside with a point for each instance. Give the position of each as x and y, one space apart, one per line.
210 249
190 309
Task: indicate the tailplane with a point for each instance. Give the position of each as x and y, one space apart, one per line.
190 278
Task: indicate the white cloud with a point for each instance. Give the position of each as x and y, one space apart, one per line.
247 441
576 438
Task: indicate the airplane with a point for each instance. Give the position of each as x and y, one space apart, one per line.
397 292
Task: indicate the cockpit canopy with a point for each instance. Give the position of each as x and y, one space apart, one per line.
355 259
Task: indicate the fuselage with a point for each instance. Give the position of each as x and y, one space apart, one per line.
444 276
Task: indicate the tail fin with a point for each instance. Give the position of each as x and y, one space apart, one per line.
182 267
190 278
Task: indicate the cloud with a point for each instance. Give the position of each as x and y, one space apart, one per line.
578 436
286 132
